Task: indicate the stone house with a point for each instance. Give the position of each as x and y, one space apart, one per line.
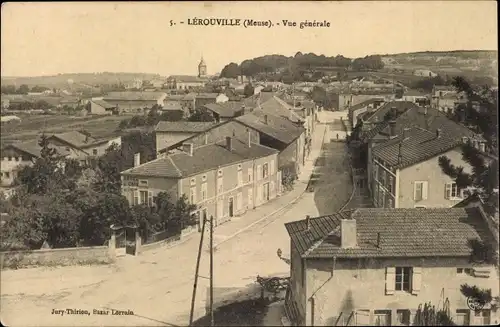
133 102
222 179
168 133
375 267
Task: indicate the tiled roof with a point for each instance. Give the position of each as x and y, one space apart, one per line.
205 158
76 139
207 95
367 135
404 232
33 148
183 126
171 105
134 96
277 127
418 146
175 97
226 109
278 107
364 104
104 104
379 114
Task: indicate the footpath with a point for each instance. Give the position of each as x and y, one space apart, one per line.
237 226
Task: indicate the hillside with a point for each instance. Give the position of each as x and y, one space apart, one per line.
62 80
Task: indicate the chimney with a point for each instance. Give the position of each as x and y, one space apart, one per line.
348 235
229 143
400 155
266 119
392 128
188 148
438 133
137 159
308 222
249 138
406 132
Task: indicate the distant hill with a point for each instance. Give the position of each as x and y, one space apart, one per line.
63 80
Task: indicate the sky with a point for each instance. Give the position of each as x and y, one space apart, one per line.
61 37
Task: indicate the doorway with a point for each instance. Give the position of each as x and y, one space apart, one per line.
266 192
231 207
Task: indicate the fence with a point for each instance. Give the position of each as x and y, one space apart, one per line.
167 237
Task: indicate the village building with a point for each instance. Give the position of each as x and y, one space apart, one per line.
223 179
202 99
168 133
101 107
376 267
134 102
225 111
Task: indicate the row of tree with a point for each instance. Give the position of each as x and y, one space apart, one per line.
22 89
61 202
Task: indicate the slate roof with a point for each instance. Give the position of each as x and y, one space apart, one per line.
183 126
134 96
104 104
205 158
227 109
418 146
404 232
32 148
379 114
278 107
277 127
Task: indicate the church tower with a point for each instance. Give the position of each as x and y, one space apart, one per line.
202 68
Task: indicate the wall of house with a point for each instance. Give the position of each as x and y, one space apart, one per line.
74 153
200 102
165 139
272 179
100 149
233 129
11 162
289 155
360 285
128 105
431 172
297 281
96 109
155 185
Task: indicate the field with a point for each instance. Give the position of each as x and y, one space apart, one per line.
33 125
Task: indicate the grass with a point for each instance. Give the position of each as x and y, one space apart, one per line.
32 125
244 313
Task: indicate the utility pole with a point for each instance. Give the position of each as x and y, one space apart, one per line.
196 272
211 271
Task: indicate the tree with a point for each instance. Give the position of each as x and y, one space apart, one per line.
480 114
38 88
249 90
231 70
201 115
9 89
110 165
429 315
172 115
23 89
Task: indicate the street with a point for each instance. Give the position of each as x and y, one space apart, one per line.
157 285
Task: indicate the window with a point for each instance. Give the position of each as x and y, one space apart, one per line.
135 198
219 173
143 196
203 191
220 185
192 195
94 152
390 203
271 168
265 170
259 172
382 317
420 191
462 317
239 167
240 178
204 178
452 191
250 173
7 174
403 317
143 182
483 317
403 279
465 271
382 178
192 182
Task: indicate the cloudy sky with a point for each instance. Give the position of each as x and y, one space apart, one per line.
50 38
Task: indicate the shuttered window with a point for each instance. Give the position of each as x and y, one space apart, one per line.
420 190
416 280
390 280
402 279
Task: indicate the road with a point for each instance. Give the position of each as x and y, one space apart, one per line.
157 285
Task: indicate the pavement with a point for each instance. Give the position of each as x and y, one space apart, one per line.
157 285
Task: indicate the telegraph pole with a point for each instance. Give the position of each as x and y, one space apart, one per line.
211 271
197 271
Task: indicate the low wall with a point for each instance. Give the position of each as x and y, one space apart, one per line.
171 241
57 257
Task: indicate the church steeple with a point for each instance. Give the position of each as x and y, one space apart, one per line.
202 68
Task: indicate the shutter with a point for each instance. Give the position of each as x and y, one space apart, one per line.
416 280
447 190
136 197
415 184
483 272
390 280
259 172
271 167
150 198
425 188
239 200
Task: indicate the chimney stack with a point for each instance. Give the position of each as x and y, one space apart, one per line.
308 222
348 234
406 132
249 138
137 159
438 133
266 121
392 128
229 143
